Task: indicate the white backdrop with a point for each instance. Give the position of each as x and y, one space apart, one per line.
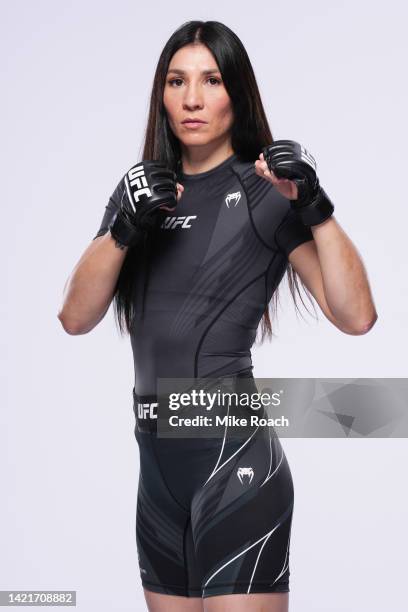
76 82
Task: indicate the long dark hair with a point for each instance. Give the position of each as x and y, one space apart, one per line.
250 132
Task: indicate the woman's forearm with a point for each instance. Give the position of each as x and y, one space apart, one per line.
345 281
90 288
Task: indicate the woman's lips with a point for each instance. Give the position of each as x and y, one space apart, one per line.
194 124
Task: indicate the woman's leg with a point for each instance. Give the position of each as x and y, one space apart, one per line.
241 522
214 523
157 602
169 574
257 602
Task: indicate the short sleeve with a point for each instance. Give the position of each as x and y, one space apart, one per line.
275 222
111 210
291 233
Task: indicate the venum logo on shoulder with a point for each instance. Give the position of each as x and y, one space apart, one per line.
178 222
233 197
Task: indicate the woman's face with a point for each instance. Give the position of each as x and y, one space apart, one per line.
194 90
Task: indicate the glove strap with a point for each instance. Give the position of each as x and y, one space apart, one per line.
124 232
317 211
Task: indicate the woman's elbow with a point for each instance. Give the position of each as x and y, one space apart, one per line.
72 327
360 330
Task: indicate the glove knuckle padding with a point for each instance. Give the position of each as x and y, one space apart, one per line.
150 185
145 187
288 159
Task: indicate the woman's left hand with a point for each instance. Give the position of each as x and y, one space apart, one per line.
285 187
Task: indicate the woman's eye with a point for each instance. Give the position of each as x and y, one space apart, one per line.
214 80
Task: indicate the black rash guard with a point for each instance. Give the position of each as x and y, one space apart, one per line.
213 516
214 265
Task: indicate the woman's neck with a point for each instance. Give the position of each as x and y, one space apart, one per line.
198 159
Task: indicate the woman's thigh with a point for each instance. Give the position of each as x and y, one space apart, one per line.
241 520
214 520
257 602
157 602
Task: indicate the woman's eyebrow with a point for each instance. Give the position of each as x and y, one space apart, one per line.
208 71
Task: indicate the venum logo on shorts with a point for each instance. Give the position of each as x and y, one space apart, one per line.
233 197
243 473
136 178
147 411
178 222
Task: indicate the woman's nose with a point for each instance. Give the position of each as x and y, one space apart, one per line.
193 97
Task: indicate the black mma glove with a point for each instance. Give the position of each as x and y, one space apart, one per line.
288 159
145 187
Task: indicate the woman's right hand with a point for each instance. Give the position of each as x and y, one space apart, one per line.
146 187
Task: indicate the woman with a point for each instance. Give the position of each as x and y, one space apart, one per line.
193 244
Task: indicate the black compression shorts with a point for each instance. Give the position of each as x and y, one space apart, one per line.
213 514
